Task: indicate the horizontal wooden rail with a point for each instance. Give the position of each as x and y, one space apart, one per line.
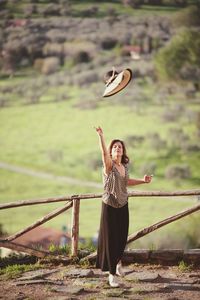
22 248
93 196
48 200
74 201
41 221
163 193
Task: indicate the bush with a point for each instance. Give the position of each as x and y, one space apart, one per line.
94 163
50 65
108 43
85 78
38 63
189 16
156 142
51 10
133 3
177 172
81 57
90 12
191 148
183 50
169 116
134 140
177 137
3 4
148 168
190 73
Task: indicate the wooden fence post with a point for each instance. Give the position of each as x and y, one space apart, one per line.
75 227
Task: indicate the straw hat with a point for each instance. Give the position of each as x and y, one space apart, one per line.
115 81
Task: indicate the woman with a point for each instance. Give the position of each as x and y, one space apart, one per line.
114 216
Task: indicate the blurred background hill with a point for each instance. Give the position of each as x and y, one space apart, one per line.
53 58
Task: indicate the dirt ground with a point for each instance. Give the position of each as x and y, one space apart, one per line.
145 282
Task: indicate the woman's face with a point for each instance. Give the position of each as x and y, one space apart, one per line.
117 150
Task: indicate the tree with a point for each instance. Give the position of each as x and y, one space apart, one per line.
181 53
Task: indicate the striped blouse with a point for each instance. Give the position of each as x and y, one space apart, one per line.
115 187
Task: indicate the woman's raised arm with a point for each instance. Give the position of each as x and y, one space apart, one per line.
106 159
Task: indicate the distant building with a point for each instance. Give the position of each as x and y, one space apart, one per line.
43 237
133 51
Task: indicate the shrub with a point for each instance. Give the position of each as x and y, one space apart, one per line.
29 10
190 73
169 116
56 35
191 148
81 57
156 142
94 163
189 16
3 4
134 140
108 43
38 63
51 10
177 172
183 50
51 49
133 3
55 156
85 78
2 231
90 12
177 137
148 168
183 267
198 123
50 65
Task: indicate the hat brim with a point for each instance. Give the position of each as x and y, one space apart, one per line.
119 83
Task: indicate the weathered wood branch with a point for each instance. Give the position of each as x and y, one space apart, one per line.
163 193
164 222
93 196
48 200
75 227
22 248
43 220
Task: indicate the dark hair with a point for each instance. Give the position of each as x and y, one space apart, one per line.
125 158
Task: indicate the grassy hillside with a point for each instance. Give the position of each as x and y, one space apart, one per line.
59 139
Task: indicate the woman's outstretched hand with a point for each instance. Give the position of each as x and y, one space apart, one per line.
147 178
99 130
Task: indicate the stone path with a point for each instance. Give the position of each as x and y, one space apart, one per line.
148 282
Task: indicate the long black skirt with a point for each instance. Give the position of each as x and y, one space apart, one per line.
112 238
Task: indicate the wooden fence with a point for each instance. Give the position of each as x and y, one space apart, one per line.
74 202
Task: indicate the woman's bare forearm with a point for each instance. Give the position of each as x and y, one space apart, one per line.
135 181
145 179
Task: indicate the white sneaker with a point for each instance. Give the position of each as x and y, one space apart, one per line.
106 272
119 270
112 281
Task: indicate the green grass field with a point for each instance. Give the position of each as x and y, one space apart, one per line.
59 139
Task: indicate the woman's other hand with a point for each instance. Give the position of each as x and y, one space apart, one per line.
147 178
